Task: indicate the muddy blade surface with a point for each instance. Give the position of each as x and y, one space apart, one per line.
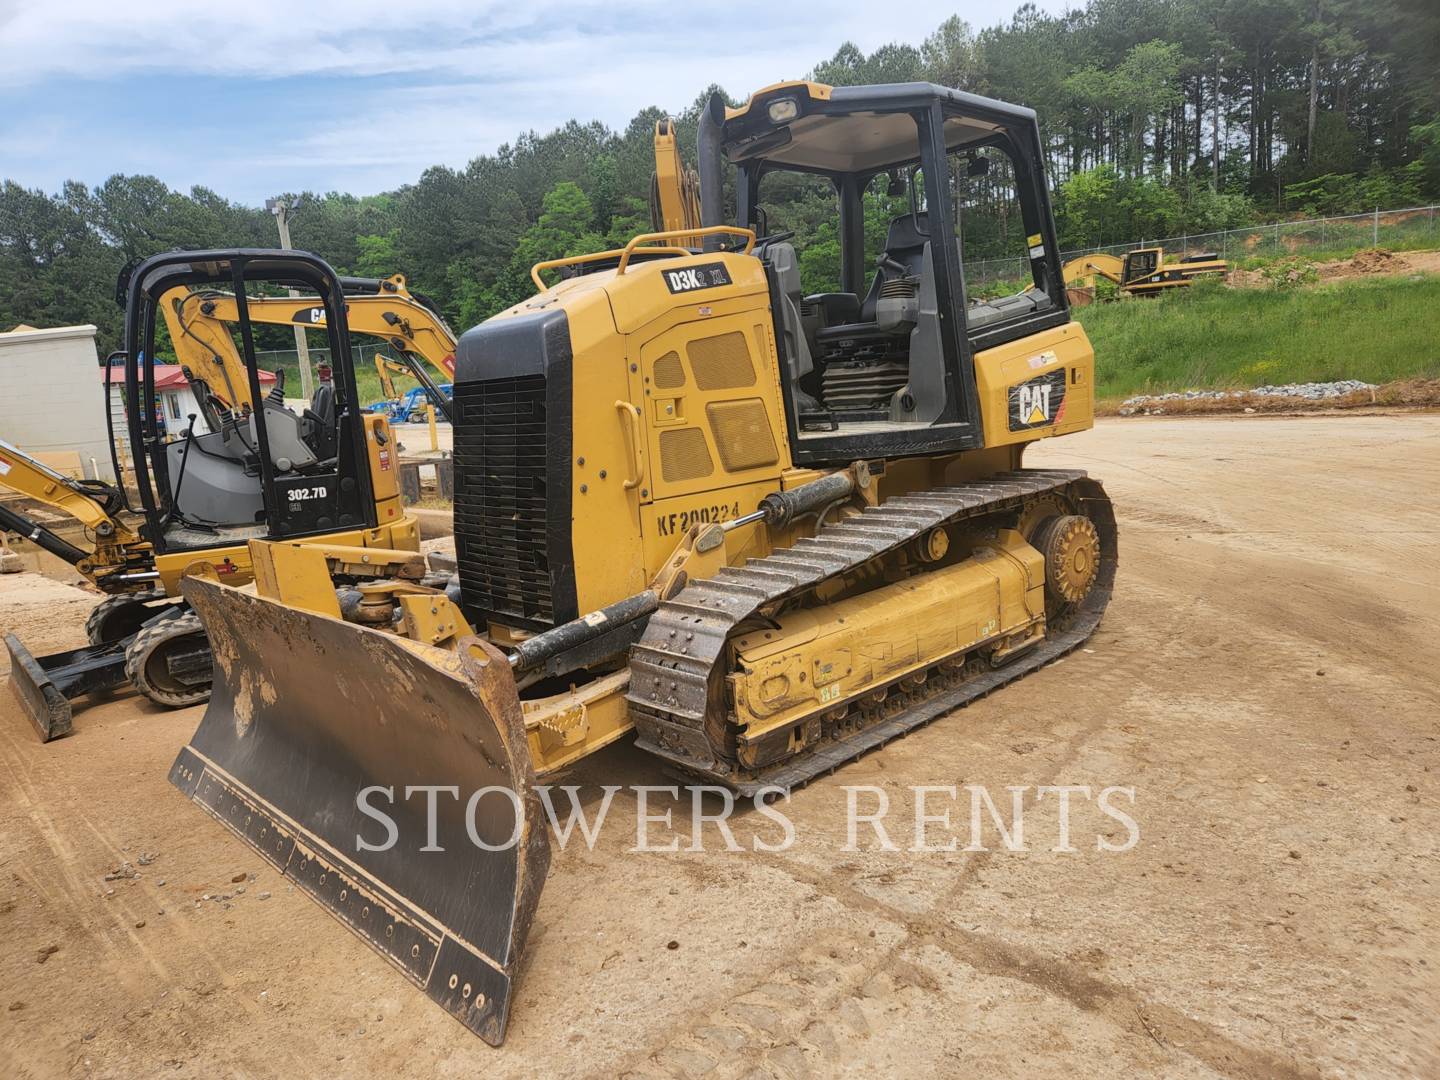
44 702
307 712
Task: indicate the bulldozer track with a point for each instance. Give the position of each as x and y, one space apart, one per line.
675 663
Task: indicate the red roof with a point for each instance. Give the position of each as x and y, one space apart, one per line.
172 377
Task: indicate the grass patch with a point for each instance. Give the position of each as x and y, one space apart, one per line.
1324 241
1331 252
366 381
1210 337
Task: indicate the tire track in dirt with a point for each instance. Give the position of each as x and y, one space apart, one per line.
76 896
782 1015
785 1014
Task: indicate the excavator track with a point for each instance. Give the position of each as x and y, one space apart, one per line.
677 668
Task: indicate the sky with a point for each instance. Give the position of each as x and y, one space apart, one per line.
263 97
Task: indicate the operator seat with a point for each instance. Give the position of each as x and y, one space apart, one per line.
797 348
288 449
904 257
904 244
317 426
322 405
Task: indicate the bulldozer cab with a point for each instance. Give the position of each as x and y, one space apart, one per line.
935 242
246 463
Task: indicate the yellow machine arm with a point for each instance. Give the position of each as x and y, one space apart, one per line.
206 348
674 189
385 368
199 325
1110 267
94 504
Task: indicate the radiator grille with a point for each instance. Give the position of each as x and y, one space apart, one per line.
500 523
721 362
668 373
742 433
684 455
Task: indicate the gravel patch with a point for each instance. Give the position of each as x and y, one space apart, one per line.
1154 404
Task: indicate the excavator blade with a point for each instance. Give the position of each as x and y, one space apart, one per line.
43 702
46 685
317 747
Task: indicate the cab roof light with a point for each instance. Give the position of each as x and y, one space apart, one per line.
783 110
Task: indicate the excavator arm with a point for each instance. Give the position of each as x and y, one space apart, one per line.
1087 266
92 503
674 189
385 367
200 328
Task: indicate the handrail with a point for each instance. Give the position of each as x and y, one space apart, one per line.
594 256
624 254
631 423
673 234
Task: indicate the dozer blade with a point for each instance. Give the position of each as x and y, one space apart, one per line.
45 685
306 713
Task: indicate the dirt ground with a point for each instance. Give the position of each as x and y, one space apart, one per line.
1364 263
1264 680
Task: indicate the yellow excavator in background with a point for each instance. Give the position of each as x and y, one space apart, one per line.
200 326
1140 272
385 370
759 532
208 492
674 188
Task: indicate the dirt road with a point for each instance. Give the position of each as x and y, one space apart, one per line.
1265 681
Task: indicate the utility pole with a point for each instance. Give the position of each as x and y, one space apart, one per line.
281 210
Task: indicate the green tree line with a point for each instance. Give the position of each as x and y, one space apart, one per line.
1158 116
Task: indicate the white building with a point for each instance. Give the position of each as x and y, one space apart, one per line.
50 404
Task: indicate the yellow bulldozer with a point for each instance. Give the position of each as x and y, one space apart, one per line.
758 532
206 490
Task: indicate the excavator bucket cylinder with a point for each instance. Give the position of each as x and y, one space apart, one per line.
389 780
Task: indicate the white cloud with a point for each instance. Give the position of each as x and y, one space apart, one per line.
460 78
90 39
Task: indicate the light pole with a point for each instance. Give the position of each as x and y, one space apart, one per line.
281 209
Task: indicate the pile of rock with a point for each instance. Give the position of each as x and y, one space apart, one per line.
1154 404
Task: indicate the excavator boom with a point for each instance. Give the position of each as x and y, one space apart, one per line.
200 329
674 188
118 561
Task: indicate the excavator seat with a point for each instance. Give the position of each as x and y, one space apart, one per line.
317 424
288 449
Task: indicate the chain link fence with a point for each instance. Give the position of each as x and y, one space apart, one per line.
289 359
1411 228
364 353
